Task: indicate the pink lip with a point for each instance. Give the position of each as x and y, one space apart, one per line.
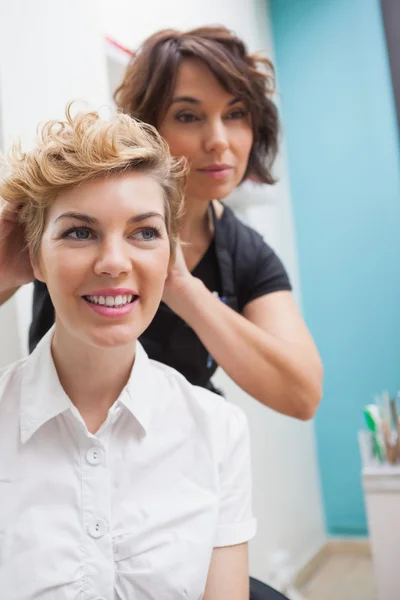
114 292
112 312
216 167
217 171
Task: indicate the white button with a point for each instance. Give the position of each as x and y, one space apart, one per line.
97 528
93 456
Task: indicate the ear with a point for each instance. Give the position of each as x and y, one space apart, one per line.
36 266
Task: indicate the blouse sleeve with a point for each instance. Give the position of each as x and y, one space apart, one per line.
266 274
236 523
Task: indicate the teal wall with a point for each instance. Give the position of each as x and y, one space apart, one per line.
342 145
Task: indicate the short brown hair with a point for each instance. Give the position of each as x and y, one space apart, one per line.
150 79
84 147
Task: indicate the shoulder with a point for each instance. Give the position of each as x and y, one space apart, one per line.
257 269
238 235
210 411
246 246
182 390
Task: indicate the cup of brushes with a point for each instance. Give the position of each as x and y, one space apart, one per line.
383 422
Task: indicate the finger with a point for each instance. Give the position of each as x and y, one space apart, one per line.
8 213
6 226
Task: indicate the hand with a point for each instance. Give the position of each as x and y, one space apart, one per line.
15 264
178 280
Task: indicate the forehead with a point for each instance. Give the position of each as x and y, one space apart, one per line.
195 79
112 196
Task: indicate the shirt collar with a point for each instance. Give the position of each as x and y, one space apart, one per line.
142 397
43 397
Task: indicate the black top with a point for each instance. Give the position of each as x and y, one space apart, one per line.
238 266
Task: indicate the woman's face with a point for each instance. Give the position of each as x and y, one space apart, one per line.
211 128
104 256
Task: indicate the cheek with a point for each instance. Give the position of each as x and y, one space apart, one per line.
181 143
245 143
155 269
60 268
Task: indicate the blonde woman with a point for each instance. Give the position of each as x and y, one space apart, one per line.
118 478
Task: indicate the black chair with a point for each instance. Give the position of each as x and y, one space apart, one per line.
261 591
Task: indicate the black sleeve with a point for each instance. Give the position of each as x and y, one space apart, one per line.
265 274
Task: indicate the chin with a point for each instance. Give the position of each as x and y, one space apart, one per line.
112 337
216 191
103 333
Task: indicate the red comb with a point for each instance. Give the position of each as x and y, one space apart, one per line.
118 45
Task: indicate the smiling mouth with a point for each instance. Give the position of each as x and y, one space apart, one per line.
111 301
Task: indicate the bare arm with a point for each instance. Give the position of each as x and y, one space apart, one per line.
267 351
228 576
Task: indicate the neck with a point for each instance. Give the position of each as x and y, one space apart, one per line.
92 377
195 221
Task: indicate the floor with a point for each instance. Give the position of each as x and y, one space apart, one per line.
344 576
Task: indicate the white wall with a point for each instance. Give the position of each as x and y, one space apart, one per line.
9 348
50 53
286 484
131 22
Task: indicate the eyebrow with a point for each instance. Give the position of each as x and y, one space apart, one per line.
93 221
192 100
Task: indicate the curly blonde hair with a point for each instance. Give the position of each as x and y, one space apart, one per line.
84 147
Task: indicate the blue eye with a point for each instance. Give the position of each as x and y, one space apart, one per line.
78 233
149 234
83 234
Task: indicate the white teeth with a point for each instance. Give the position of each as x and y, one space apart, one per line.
111 301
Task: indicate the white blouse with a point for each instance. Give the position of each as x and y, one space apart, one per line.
131 513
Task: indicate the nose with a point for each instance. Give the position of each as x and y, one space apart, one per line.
216 137
113 259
